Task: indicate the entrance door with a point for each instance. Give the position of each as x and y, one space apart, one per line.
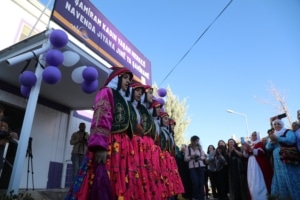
14 116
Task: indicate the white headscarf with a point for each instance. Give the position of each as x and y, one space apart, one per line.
282 130
113 84
143 99
257 138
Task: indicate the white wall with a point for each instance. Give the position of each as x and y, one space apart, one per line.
51 134
15 13
48 133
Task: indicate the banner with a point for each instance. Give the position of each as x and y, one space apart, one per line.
87 24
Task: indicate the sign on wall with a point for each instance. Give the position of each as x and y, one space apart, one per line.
87 24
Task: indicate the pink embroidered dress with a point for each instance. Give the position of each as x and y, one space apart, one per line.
140 156
110 131
170 174
151 155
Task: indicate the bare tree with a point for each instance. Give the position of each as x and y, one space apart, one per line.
280 98
281 107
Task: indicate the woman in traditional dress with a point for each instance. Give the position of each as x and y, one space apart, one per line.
259 170
285 181
170 171
109 144
141 122
151 150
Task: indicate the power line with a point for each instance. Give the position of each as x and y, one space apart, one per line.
196 41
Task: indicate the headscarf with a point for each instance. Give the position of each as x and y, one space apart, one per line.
144 100
172 121
282 130
134 86
257 138
113 84
116 72
113 80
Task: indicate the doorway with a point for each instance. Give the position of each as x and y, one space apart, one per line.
14 116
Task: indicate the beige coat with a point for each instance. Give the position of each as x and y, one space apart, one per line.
79 141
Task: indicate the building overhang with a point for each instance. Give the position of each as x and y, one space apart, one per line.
66 92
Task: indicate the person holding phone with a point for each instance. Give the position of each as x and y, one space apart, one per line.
236 171
285 181
79 142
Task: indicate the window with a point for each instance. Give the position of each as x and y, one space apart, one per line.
25 30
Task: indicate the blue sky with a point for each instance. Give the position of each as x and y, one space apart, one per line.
253 44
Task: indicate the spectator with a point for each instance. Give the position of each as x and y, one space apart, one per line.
196 157
6 135
285 181
296 129
298 115
237 186
211 169
185 175
79 141
221 172
259 170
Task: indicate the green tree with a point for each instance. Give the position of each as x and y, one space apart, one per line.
177 110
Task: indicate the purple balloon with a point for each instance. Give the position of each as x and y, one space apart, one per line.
89 87
54 57
162 92
27 78
51 75
90 74
161 101
25 91
58 38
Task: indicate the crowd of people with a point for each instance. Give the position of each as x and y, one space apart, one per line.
256 169
131 154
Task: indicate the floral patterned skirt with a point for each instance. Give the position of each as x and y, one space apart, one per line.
171 178
80 188
122 168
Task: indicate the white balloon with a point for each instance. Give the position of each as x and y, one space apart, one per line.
70 58
77 74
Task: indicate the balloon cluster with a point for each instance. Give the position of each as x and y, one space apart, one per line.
162 92
90 83
55 58
27 80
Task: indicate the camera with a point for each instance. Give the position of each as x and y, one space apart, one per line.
197 157
4 135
